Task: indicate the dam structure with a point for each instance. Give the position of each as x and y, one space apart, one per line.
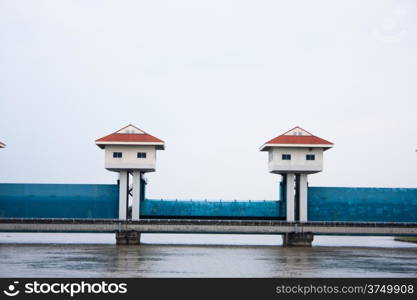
299 212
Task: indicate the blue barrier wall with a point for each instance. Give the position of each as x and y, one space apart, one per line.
58 201
362 204
206 209
101 201
98 201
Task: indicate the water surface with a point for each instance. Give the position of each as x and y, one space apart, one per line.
96 255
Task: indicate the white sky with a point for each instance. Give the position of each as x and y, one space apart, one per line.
214 80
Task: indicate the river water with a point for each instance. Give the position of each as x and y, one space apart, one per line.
193 255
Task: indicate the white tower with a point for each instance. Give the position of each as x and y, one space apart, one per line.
130 150
294 155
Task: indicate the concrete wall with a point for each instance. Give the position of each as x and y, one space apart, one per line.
129 160
58 201
298 160
101 201
215 209
362 204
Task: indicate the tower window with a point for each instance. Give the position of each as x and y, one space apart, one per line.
141 154
310 157
117 154
286 157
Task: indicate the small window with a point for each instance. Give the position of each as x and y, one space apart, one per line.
141 154
271 156
310 157
286 157
117 154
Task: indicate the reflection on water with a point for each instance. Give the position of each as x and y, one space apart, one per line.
354 257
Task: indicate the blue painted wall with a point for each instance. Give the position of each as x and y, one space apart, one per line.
101 201
58 201
206 209
362 204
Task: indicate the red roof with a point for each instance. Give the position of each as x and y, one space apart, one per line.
305 139
134 137
129 137
297 139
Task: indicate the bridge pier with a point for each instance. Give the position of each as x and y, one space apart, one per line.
297 239
131 237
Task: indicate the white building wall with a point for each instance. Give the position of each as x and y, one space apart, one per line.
129 159
298 162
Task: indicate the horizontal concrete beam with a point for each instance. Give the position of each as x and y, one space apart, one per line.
206 226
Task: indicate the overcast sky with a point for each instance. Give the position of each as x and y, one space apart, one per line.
214 80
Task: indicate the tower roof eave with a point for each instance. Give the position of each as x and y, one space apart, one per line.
267 146
132 137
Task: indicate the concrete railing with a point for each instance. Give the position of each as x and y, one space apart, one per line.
206 226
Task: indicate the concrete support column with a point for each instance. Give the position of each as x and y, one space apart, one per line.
297 198
127 237
303 197
290 197
297 239
282 190
136 195
123 191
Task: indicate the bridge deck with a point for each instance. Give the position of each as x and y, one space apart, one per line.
206 226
